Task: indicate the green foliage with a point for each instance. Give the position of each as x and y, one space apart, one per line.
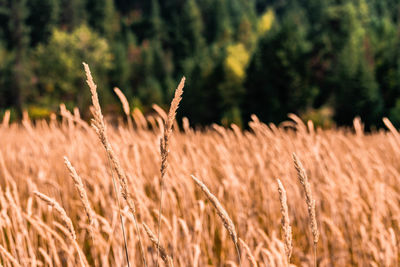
231 87
73 13
395 114
387 62
239 56
42 23
265 22
321 117
59 64
236 62
357 94
18 70
202 99
278 78
37 112
5 72
232 116
101 16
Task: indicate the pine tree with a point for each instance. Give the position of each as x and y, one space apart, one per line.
19 33
387 60
357 93
353 75
42 23
156 24
222 23
202 101
101 16
278 78
73 13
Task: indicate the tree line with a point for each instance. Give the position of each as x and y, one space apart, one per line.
326 60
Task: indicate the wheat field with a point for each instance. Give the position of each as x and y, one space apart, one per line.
70 198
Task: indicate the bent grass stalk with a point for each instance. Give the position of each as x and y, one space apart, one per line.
250 255
125 106
82 194
8 256
67 221
226 220
6 119
163 253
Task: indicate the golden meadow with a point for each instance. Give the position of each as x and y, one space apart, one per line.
146 193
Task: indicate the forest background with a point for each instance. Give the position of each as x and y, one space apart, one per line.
325 60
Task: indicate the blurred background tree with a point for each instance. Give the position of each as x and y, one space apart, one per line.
56 62
327 60
278 78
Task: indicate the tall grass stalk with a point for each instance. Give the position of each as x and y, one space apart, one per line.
125 106
164 150
302 175
100 128
287 229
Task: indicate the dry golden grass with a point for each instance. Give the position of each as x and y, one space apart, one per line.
286 228
354 179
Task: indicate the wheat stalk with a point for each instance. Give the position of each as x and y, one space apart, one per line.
46 257
226 220
124 101
67 221
100 128
164 149
125 105
54 204
9 256
163 253
6 119
250 255
302 175
82 194
287 229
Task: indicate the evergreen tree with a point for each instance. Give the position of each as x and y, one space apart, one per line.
353 78
387 63
222 22
6 60
73 13
202 101
42 23
120 73
278 79
357 94
59 64
101 16
19 40
190 30
156 24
